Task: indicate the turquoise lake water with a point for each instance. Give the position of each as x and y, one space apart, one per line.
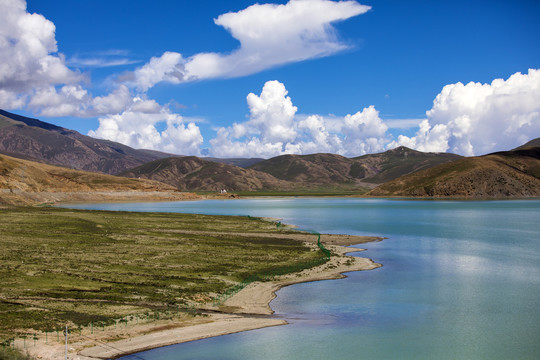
460 280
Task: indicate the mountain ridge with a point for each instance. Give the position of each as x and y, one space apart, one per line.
36 140
396 172
514 173
367 170
24 182
193 173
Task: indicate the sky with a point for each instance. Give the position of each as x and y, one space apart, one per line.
246 79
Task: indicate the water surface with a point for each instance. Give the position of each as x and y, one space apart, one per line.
461 280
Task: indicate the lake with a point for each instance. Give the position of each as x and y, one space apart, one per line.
460 280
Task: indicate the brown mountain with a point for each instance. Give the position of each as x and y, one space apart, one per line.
363 171
288 172
29 182
241 162
391 164
514 173
531 144
193 173
36 140
315 168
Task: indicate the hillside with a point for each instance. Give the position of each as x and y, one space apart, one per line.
240 162
193 173
315 168
514 173
391 164
363 171
26 182
327 172
531 144
36 140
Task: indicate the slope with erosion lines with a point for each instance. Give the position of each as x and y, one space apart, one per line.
36 140
193 173
514 173
29 182
364 171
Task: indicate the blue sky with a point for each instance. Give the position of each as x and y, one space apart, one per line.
359 82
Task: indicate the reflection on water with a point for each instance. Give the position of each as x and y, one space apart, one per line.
461 280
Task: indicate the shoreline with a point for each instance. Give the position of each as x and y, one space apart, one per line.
28 198
249 309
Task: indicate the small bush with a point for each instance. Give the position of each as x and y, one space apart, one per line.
7 353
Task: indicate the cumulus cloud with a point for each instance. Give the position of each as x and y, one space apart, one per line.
139 129
74 100
270 35
364 132
28 51
11 100
273 129
34 75
272 114
477 118
270 127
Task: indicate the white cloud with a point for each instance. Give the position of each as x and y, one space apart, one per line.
28 51
272 114
477 118
100 62
169 67
138 127
270 127
364 132
11 100
274 130
427 139
320 139
74 100
270 35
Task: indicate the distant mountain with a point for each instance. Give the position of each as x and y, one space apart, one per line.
33 139
288 172
531 144
193 173
514 173
363 171
19 176
391 164
315 168
240 162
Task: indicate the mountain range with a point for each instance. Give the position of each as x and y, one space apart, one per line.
514 173
397 172
32 139
321 172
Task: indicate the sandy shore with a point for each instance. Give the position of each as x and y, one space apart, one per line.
58 197
247 310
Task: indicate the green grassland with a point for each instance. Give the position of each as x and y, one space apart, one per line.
62 266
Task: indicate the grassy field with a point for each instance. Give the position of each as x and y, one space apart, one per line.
62 266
